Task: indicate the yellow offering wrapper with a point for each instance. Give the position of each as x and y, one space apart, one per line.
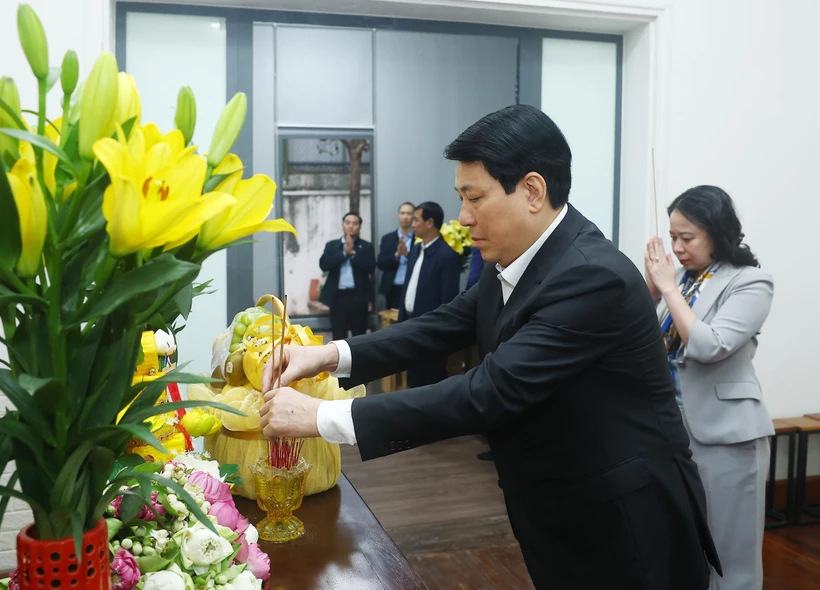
240 441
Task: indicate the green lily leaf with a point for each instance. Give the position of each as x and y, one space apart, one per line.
41 142
7 296
184 300
130 506
26 405
4 502
156 273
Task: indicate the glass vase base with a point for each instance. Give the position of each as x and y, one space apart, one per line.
280 531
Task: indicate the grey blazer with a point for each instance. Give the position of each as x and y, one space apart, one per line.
721 395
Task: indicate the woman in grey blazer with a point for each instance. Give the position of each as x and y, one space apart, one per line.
711 312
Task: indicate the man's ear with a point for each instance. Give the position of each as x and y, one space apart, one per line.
536 188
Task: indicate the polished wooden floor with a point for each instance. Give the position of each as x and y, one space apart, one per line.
445 511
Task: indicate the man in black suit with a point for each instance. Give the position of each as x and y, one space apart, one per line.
573 391
394 250
349 263
432 280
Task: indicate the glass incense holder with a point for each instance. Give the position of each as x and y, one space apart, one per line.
279 492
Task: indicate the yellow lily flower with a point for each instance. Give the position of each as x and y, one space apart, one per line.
174 139
254 201
31 209
49 159
155 197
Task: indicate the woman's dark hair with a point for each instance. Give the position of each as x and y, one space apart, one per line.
513 142
711 209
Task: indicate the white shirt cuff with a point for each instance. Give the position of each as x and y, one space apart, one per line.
345 359
335 421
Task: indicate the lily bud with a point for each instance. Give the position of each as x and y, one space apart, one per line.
228 128
31 210
8 92
98 104
128 102
70 72
33 39
185 118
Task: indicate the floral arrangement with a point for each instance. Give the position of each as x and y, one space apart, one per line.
105 223
163 546
458 238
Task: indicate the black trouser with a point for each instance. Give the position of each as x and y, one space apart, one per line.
393 297
348 313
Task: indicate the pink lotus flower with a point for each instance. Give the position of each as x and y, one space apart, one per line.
124 571
244 549
241 525
258 562
14 581
213 489
145 512
226 514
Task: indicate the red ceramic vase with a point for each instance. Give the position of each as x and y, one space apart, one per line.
53 564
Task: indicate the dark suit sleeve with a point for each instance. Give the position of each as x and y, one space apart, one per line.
365 258
387 253
332 257
430 336
576 323
450 278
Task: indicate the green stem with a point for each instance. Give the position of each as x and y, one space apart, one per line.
76 201
55 320
13 280
41 131
64 121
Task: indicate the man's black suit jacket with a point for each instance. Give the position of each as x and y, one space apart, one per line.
438 278
363 263
575 396
387 262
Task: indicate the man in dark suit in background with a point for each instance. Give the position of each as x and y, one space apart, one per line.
573 391
394 250
432 280
348 290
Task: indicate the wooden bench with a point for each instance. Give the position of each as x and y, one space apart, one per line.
776 517
804 513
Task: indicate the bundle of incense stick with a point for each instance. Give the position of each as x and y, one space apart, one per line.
283 453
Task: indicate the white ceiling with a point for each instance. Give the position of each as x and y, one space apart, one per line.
499 12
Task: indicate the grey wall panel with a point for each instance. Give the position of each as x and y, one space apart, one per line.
429 88
266 250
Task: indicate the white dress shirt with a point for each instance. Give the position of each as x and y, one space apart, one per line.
413 284
334 419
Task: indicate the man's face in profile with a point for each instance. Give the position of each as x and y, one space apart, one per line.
494 217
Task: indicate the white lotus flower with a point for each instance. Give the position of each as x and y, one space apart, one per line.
251 534
166 346
193 462
246 581
167 580
201 547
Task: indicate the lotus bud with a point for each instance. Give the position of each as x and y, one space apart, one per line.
98 104
8 92
33 40
70 72
228 128
185 118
